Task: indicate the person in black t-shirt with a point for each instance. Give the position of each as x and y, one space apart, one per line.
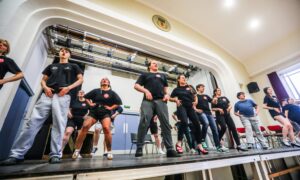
106 100
58 80
206 118
98 129
79 108
8 65
155 87
272 104
185 98
221 105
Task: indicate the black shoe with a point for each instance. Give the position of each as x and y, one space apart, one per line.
295 144
139 152
172 153
240 148
11 161
266 148
105 154
54 160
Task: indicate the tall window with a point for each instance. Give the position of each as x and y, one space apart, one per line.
292 80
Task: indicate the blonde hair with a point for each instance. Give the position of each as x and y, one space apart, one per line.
6 43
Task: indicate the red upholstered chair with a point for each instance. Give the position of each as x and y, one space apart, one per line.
242 134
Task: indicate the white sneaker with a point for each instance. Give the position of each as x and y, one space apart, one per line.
224 149
76 154
94 151
298 140
79 156
110 156
193 151
286 142
160 151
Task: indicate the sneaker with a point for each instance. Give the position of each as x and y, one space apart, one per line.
172 153
139 152
285 142
105 154
298 140
79 156
110 156
11 161
204 145
250 146
54 160
222 149
193 151
160 151
94 150
75 154
295 144
266 148
179 149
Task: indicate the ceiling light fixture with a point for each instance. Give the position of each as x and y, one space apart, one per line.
229 3
254 23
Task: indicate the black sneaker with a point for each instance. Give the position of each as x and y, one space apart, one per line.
139 152
105 154
11 161
54 160
172 153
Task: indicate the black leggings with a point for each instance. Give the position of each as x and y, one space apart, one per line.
183 113
222 120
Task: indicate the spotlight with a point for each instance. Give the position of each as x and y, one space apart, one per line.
68 42
110 53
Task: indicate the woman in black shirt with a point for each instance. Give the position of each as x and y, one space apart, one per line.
221 105
185 98
273 105
105 101
77 112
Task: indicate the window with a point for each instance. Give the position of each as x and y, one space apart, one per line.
292 80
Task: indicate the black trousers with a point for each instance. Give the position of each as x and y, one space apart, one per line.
224 120
185 113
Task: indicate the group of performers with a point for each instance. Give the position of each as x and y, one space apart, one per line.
102 105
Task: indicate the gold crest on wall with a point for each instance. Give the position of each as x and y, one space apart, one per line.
161 23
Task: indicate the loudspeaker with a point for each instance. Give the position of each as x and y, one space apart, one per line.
253 87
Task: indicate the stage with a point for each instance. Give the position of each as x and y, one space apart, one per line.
129 167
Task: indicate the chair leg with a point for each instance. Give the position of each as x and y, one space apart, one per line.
131 148
146 148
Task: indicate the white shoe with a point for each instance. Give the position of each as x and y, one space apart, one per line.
79 156
94 150
193 151
110 156
160 151
286 142
76 154
298 140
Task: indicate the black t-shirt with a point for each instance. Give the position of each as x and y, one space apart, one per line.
155 83
222 103
203 103
272 101
293 111
79 108
61 74
7 65
101 97
184 93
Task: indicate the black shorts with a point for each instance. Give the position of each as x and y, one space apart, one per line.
75 122
274 113
99 113
153 127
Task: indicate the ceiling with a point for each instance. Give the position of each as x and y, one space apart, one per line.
228 26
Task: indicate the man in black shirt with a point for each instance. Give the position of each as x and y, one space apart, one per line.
155 87
7 65
57 81
206 118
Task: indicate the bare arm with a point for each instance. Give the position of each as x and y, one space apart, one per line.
143 90
166 95
256 110
16 77
47 90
